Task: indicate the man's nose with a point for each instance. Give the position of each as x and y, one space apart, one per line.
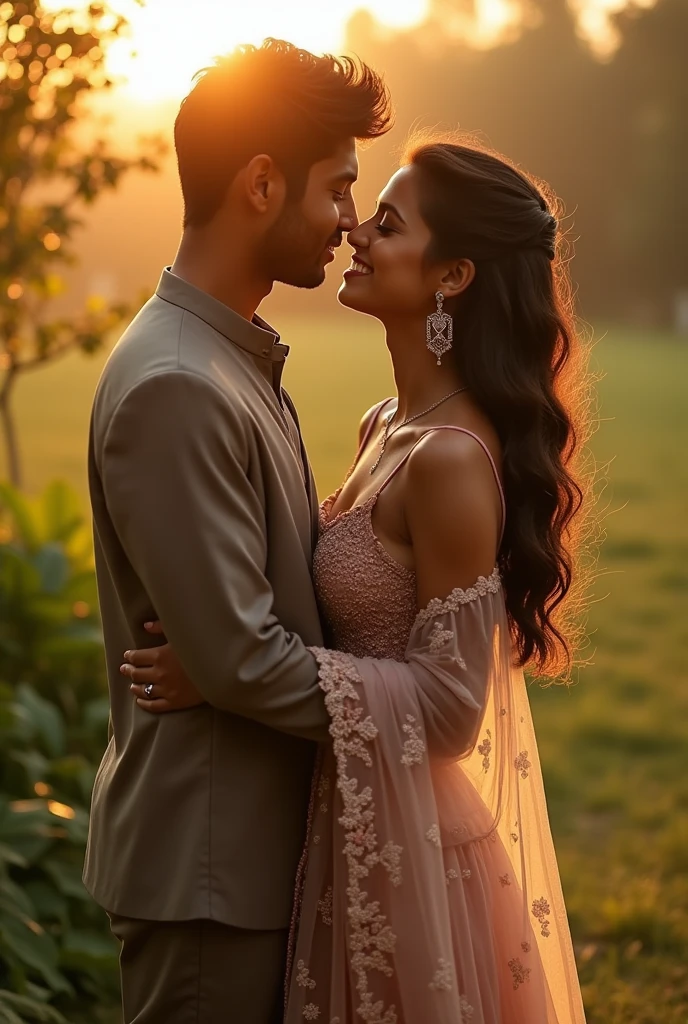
348 217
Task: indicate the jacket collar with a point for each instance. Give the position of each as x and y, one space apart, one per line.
256 336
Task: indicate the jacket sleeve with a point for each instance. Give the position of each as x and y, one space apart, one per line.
174 465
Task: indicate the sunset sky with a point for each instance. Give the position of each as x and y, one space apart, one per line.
171 39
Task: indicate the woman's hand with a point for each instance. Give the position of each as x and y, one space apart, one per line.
158 680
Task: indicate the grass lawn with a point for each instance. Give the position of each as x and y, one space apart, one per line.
614 746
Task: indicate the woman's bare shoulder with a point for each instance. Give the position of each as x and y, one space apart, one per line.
370 417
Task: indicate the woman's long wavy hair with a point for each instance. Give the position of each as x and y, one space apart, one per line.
519 352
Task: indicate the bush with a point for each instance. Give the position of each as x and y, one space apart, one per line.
58 960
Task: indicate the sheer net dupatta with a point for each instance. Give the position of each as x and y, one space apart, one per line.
431 892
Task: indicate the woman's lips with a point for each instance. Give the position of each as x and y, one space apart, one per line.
357 269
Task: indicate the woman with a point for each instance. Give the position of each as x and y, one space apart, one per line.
429 890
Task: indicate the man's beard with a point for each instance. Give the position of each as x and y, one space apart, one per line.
292 252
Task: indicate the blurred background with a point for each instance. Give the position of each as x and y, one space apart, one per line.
590 95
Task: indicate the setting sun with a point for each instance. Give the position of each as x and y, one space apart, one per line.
171 39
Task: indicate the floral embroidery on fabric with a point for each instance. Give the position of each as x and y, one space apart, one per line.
414 748
525 946
433 835
316 840
442 979
303 977
485 749
371 939
502 711
466 873
390 858
458 830
311 1011
323 808
522 764
450 875
482 586
325 906
439 638
323 784
466 1011
520 973
504 879
541 909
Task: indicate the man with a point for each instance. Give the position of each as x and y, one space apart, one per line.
205 516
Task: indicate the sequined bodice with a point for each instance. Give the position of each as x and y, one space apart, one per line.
367 599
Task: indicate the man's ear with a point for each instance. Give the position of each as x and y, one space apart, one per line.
456 278
264 184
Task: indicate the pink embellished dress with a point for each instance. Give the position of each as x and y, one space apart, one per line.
429 891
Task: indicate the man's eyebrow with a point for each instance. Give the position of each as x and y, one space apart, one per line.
345 178
388 208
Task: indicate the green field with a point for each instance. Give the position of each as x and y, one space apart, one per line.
615 746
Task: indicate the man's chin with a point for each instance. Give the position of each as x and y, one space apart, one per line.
311 279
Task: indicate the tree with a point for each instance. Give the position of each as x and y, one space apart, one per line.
51 63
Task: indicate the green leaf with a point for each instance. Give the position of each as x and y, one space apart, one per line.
25 941
67 878
93 945
61 511
21 515
29 830
45 718
10 856
33 762
14 899
53 568
97 713
30 1009
49 904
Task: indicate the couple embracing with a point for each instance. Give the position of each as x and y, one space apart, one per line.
321 798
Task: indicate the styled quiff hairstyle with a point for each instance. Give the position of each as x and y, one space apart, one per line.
274 99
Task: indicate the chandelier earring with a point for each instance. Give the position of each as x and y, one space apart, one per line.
440 330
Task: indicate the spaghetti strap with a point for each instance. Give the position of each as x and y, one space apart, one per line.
460 430
375 412
369 429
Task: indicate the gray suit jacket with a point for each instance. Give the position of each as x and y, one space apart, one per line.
205 516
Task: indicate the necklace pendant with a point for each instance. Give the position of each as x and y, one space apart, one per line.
378 460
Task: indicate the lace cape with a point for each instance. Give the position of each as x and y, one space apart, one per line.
429 889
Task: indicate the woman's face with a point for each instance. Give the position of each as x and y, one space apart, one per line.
388 277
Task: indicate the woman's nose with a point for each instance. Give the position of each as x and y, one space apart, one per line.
359 237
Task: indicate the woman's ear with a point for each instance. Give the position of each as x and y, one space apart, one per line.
456 278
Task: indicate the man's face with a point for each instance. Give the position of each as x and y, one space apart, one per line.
301 243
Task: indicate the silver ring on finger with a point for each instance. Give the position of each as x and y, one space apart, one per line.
148 690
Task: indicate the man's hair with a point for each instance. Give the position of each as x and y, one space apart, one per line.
273 99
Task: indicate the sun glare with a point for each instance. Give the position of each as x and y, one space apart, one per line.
171 39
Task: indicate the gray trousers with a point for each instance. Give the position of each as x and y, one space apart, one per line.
199 972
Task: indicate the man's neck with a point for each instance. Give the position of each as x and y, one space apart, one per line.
227 277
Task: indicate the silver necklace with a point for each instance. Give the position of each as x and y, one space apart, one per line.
388 422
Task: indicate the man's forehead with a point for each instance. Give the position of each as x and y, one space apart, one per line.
343 164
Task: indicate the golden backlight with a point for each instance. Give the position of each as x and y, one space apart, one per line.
171 39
